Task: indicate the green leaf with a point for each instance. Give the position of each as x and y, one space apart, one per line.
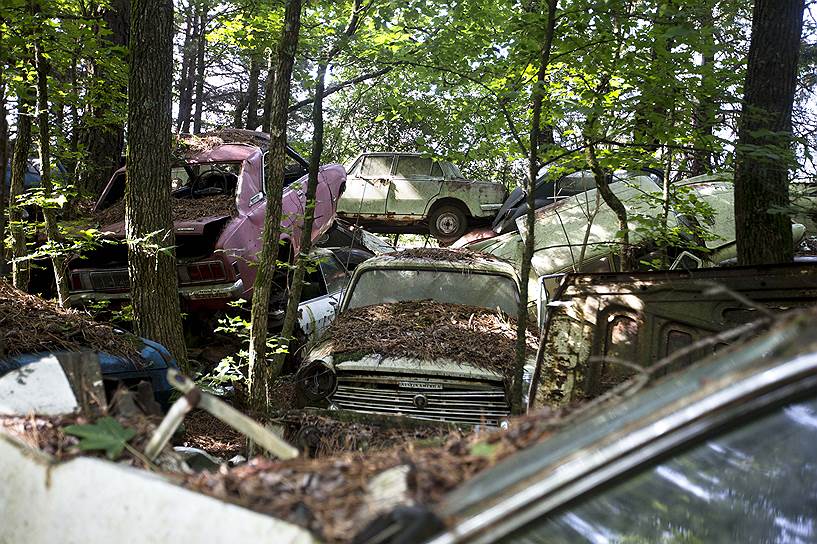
106 434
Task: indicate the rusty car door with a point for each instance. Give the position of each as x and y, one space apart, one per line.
415 182
367 186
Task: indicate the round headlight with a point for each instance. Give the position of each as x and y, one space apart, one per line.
317 380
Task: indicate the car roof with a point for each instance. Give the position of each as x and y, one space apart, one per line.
437 258
621 428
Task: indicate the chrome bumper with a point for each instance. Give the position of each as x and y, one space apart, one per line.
189 292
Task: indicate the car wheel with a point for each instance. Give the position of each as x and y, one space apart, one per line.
447 223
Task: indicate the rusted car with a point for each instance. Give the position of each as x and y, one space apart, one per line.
579 233
218 214
722 452
420 333
406 192
597 326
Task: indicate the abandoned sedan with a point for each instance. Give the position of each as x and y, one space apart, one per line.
722 452
421 333
406 192
219 206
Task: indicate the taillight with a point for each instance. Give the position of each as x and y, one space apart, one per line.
76 281
202 272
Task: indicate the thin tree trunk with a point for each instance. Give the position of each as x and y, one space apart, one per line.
186 74
49 214
4 159
761 182
703 117
517 392
148 223
309 218
614 203
252 92
200 47
274 185
73 144
19 163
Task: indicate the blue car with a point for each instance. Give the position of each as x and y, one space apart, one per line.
32 178
116 370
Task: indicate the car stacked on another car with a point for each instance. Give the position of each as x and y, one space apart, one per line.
407 192
420 333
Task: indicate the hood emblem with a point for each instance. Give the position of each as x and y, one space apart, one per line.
420 402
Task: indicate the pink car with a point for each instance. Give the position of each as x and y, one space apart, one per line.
218 214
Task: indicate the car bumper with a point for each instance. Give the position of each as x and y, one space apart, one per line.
490 207
189 292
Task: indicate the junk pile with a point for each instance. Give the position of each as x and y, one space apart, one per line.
29 324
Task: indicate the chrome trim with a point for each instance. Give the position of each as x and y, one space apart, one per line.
587 469
194 292
490 207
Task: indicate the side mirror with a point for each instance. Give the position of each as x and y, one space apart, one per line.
544 298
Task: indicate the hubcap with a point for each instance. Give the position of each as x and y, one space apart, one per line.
448 223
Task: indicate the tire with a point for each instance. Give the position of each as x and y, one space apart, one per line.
447 223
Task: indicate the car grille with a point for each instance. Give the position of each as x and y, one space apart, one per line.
110 280
471 403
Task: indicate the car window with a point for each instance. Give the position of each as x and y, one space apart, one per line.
413 167
436 170
755 483
577 182
376 166
334 274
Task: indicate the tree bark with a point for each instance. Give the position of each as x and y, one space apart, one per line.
274 187
148 223
761 182
103 140
4 160
187 73
533 168
49 214
201 42
19 163
615 204
252 92
296 287
704 115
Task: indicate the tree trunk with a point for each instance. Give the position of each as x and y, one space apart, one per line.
252 92
19 163
200 46
704 115
533 168
148 223
761 181
273 183
309 218
49 213
615 204
103 140
186 74
4 159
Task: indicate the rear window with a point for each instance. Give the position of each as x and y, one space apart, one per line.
412 167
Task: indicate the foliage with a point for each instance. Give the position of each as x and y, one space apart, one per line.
231 370
106 434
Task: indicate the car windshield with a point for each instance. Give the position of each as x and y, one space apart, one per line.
755 484
490 291
216 178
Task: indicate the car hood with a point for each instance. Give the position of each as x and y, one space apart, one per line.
445 368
